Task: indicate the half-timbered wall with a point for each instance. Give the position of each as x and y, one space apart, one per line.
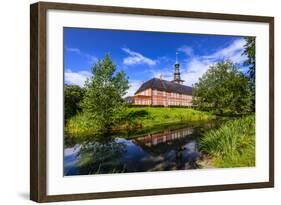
143 98
157 97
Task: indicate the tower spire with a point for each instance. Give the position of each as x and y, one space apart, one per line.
177 75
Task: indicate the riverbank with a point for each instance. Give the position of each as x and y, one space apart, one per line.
139 120
231 145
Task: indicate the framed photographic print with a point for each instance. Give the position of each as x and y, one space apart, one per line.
134 102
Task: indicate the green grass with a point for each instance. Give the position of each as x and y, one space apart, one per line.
80 125
232 144
153 116
139 120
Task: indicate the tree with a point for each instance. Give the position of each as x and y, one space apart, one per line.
223 89
104 91
250 52
73 95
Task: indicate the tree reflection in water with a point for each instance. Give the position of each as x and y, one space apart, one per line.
96 156
168 150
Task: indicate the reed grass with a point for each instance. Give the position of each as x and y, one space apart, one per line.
232 144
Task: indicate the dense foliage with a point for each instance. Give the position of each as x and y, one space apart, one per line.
73 94
233 144
104 91
250 52
223 89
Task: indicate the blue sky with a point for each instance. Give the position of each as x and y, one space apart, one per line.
144 55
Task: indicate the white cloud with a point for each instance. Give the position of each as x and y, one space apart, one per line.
196 66
76 78
186 49
90 58
233 52
134 86
136 58
74 50
164 59
167 74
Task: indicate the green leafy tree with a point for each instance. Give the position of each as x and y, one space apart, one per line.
250 52
223 89
104 91
73 95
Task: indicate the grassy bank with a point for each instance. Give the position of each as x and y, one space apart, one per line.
232 144
150 116
139 119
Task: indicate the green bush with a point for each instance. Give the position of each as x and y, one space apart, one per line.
233 144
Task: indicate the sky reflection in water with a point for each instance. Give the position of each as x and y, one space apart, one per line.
168 150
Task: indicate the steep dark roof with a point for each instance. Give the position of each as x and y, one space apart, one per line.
164 85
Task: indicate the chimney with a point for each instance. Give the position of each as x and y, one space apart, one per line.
160 77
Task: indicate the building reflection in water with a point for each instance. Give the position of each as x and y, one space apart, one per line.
168 150
167 136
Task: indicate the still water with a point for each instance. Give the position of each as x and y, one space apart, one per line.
167 150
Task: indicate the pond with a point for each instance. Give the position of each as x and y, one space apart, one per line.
170 149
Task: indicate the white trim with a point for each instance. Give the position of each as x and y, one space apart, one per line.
57 184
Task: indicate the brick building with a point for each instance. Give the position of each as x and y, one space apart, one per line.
159 92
